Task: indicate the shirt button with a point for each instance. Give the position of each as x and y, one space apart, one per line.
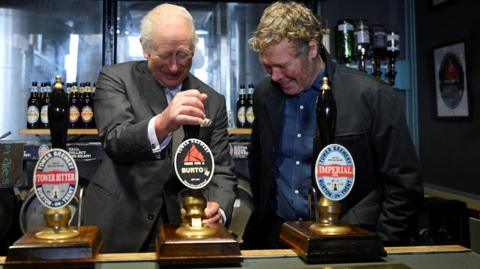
299 135
297 162
301 106
296 192
150 217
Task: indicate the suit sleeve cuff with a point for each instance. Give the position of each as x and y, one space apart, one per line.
157 146
224 217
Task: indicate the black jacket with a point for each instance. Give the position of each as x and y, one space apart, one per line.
371 125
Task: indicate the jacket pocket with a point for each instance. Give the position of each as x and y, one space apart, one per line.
367 214
353 141
101 190
357 143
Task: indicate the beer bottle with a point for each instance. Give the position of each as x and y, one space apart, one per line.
250 117
74 114
362 43
344 38
44 106
33 112
40 96
87 108
81 93
94 87
393 49
58 115
379 48
241 103
326 115
41 92
393 44
68 89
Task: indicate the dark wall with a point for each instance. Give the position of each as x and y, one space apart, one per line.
449 149
389 13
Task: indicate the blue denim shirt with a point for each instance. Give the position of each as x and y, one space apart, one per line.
294 154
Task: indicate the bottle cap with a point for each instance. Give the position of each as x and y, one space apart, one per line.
325 86
58 83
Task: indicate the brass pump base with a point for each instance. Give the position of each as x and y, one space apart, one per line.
329 229
193 208
328 224
195 232
329 240
57 222
64 233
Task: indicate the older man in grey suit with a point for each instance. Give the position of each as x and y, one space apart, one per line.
140 108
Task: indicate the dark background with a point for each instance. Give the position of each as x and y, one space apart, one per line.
449 149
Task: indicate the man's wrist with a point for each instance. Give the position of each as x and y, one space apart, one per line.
161 128
157 144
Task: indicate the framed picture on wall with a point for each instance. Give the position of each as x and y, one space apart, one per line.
451 88
438 2
434 4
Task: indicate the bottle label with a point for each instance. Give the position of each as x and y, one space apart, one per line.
194 163
335 172
379 39
393 43
55 178
249 115
362 37
241 114
87 114
74 114
345 27
32 114
44 114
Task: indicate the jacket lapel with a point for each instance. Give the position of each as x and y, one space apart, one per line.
274 107
150 90
190 83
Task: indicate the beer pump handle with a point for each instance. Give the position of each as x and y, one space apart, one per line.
80 207
58 113
191 131
326 112
312 202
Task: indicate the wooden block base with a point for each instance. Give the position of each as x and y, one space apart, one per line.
30 250
359 245
217 248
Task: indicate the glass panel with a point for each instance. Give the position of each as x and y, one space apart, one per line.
222 59
41 39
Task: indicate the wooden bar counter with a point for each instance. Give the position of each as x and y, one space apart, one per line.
438 257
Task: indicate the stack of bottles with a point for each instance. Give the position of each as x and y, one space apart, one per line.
357 41
80 99
245 116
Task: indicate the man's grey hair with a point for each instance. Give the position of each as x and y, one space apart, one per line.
164 12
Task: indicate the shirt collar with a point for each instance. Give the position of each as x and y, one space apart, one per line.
317 83
174 90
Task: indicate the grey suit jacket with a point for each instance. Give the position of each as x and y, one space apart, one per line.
371 125
132 189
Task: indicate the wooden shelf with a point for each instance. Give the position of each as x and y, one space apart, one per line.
231 131
47 131
239 131
471 200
